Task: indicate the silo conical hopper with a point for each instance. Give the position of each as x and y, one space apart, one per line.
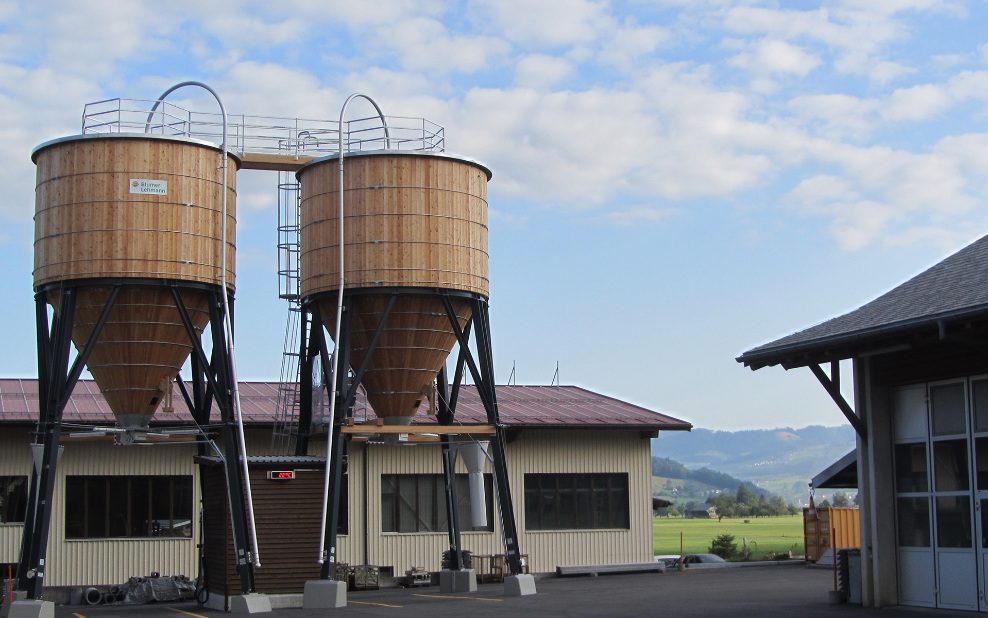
143 212
414 223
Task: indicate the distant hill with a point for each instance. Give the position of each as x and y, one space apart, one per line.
676 482
781 461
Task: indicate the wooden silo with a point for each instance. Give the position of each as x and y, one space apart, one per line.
414 224
143 213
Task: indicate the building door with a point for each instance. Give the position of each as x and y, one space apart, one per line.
939 564
979 403
916 561
957 568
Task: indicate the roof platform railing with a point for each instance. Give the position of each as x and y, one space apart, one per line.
264 142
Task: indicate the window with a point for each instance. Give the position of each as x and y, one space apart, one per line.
576 501
128 507
13 499
417 503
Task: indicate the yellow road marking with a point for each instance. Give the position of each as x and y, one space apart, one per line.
378 604
78 615
444 596
186 613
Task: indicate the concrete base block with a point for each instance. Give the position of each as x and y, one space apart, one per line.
519 585
285 601
29 608
457 581
324 594
18 595
252 603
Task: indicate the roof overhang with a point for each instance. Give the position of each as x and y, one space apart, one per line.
842 474
868 342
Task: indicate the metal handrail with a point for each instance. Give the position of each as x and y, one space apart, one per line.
263 134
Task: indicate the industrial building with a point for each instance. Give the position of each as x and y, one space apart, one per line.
580 467
920 409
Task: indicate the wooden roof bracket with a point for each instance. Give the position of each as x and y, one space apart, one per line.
832 385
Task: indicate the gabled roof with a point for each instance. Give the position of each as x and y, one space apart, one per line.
518 406
953 291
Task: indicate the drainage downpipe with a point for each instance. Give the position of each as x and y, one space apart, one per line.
339 318
227 322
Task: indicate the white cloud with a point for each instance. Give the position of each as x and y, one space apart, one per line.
424 44
916 103
541 72
544 24
835 116
638 215
775 56
631 44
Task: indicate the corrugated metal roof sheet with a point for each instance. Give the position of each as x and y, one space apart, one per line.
518 407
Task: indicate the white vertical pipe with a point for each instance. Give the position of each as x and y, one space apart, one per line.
227 322
339 318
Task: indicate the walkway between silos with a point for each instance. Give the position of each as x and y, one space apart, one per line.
756 591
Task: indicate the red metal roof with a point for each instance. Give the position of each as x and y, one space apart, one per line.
518 407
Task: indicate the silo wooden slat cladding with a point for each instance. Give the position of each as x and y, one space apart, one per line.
410 220
413 221
89 224
92 226
142 347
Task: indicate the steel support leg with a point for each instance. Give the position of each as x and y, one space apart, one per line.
223 373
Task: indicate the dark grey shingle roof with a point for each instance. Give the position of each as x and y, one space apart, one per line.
953 288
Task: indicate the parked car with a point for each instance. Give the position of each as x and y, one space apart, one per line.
692 560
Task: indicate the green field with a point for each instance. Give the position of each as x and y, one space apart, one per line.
766 536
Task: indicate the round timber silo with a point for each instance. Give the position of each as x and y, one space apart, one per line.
415 230
142 213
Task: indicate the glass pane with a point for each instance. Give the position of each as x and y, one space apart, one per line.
141 523
981 453
979 391
96 500
533 502
984 524
910 468
75 507
119 499
954 521
950 465
14 500
182 505
947 406
388 503
914 522
584 502
909 410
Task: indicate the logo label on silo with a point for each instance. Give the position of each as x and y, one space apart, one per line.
148 187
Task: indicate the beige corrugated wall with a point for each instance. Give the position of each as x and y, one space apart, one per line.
536 451
15 460
74 563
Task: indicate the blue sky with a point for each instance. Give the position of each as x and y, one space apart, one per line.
675 182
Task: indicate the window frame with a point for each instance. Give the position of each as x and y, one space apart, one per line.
394 521
557 501
13 511
153 505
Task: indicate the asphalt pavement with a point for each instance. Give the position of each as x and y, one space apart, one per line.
791 590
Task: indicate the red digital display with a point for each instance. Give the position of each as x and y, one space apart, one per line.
281 475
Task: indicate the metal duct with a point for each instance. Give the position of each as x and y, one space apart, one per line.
474 455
